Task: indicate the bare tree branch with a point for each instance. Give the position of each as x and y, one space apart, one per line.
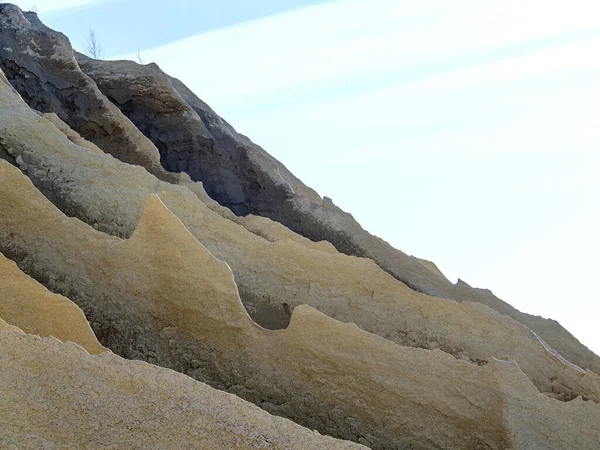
139 57
92 46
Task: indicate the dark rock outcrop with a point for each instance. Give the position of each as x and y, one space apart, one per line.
193 139
39 64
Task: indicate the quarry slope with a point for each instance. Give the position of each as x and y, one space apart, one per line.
110 195
239 174
56 395
262 289
192 138
29 306
178 305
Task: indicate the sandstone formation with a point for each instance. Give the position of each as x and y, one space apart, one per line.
28 305
273 277
72 135
181 302
243 177
39 62
128 202
6 327
56 396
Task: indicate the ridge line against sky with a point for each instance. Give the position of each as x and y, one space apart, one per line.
485 164
313 99
130 25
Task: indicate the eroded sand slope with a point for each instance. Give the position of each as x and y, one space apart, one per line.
167 275
42 66
55 395
110 196
28 305
182 303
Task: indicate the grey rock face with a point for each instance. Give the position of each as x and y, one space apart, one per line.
40 65
193 139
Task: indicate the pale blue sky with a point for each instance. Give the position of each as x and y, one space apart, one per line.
464 132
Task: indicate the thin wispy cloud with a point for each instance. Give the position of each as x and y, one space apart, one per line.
50 6
285 58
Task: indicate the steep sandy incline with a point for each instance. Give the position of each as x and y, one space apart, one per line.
110 195
28 305
242 176
55 395
39 62
326 222
549 330
171 301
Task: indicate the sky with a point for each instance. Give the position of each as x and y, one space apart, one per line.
464 132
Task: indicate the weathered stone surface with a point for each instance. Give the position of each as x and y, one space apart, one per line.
232 172
39 62
40 65
238 173
549 330
6 327
431 266
162 296
72 135
242 176
182 303
3 153
3 78
55 395
274 277
274 231
28 305
305 213
6 156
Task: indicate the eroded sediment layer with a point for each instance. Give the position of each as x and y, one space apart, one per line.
163 296
274 277
242 176
56 395
7 327
192 137
39 63
28 305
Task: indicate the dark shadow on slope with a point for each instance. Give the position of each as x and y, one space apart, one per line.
6 156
